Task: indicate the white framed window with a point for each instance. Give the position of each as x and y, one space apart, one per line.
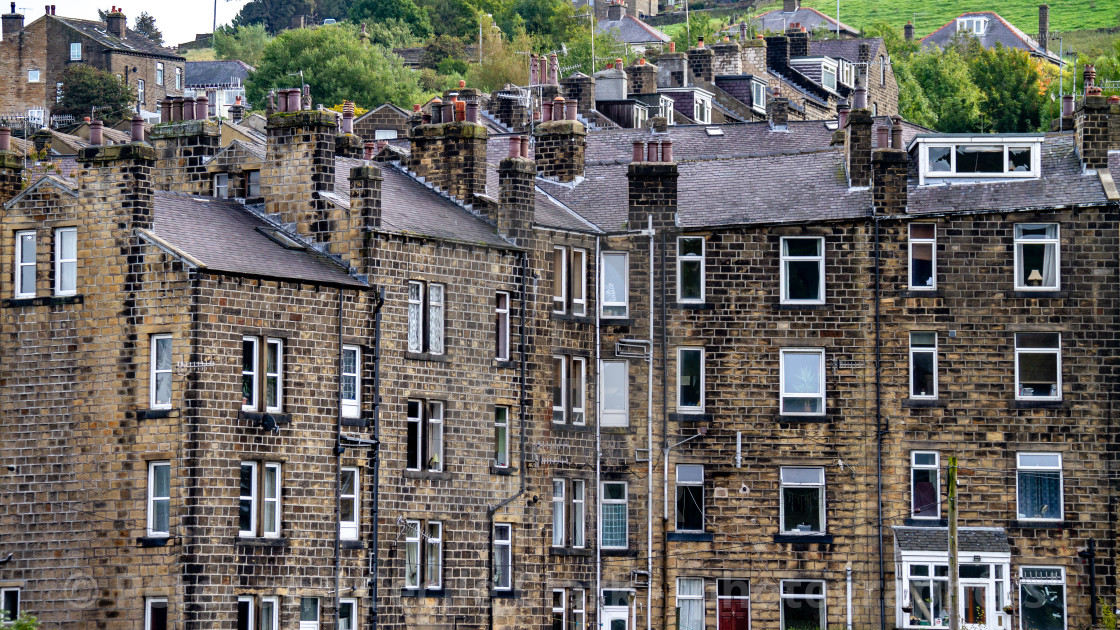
975 25
273 374
247 507
828 75
690 380
425 436
501 437
348 614
245 608
559 609
160 375
616 285
270 388
252 184
802 381
579 513
702 109
979 159
927 594
155 613
1042 598
159 498
1037 257
25 264
614 396
560 279
270 500
66 261
690 269
351 488
690 603
802 270
925 484
351 381
803 604
412 554
614 518
9 604
140 90
1038 366
249 371
501 326
385 134
1039 495
578 281
923 257
690 498
559 523
33 76
923 364
159 73
733 603
503 556
579 608
270 613
569 389
75 51
882 70
309 613
802 500
178 78
758 96
425 317
433 556
221 185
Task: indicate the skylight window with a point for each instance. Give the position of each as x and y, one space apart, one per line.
714 131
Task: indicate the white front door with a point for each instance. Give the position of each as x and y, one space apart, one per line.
616 618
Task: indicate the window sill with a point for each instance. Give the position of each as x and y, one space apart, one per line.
355 422
155 541
922 402
693 306
258 417
422 592
567 551
262 542
616 321
1041 293
427 474
691 417
616 430
571 428
504 594
803 538
427 356
154 414
787 419
53 300
505 364
919 293
1028 524
351 544
802 307
925 522
505 471
690 536
1039 404
622 553
565 317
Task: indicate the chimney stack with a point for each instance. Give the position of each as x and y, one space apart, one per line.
642 77
777 111
672 69
798 42
1044 26
11 167
789 6
365 195
116 24
908 31
615 11
700 62
1096 122
237 112
652 185
451 154
183 147
888 185
516 194
777 52
560 145
11 23
857 147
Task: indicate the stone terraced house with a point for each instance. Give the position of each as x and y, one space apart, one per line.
706 377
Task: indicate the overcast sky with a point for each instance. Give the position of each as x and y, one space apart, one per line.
178 20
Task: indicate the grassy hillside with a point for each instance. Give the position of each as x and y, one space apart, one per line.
929 15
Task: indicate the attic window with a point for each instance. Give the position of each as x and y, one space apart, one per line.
714 131
283 239
976 25
979 158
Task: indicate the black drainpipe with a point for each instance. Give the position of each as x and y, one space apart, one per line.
376 454
338 449
880 429
522 409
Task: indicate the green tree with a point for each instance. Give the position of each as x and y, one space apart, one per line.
146 25
913 105
24 622
699 25
457 18
946 81
392 34
893 39
85 87
504 61
374 11
443 47
550 22
245 43
337 65
276 15
1013 99
607 46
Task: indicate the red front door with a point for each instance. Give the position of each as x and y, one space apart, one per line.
734 614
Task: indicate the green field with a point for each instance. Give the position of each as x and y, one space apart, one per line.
930 15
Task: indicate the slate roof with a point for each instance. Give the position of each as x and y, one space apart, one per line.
970 539
1063 182
631 30
223 236
847 49
247 131
1113 165
693 141
204 74
998 31
778 20
133 42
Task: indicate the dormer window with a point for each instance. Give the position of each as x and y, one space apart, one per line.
828 76
978 158
702 109
758 96
975 25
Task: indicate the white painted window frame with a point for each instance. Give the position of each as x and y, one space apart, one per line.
821 486
681 351
614 417
936 468
915 350
912 241
692 258
784 275
62 261
155 372
352 406
1060 469
348 529
153 498
20 290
